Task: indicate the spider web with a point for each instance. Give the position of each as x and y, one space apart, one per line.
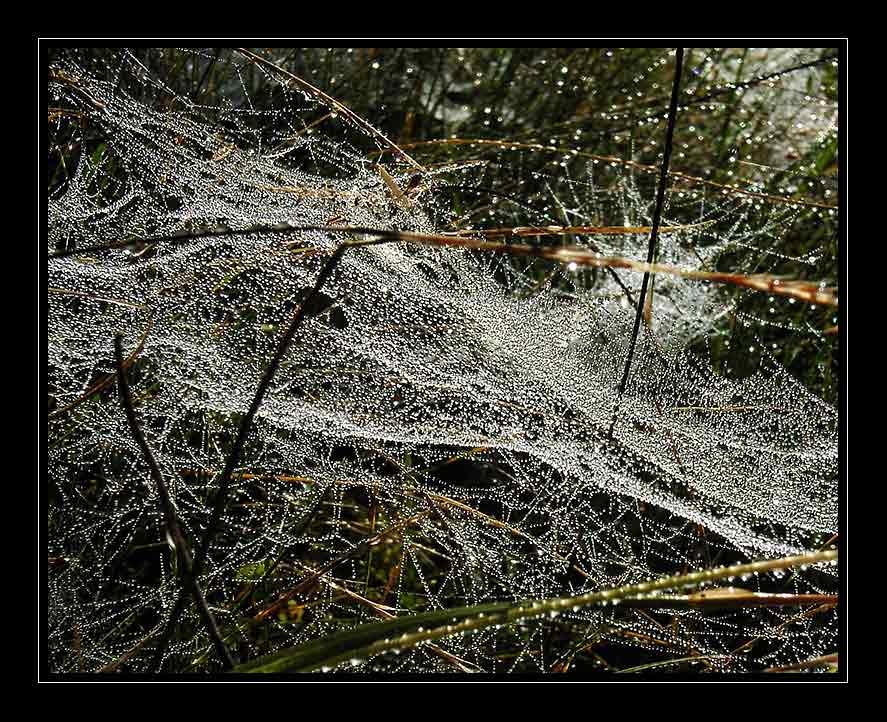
460 400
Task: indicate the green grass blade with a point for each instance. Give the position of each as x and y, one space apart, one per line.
402 633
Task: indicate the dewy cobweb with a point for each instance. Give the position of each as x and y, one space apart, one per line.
431 380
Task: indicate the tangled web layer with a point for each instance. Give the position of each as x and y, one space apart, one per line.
438 393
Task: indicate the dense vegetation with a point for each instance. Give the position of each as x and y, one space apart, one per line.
446 447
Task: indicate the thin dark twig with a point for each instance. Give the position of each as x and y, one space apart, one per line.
172 237
745 84
711 95
209 67
247 422
259 228
806 291
189 577
108 380
330 102
654 234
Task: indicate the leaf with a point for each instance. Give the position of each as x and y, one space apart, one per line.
348 644
251 572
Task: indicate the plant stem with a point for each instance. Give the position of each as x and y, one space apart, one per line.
654 234
188 571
